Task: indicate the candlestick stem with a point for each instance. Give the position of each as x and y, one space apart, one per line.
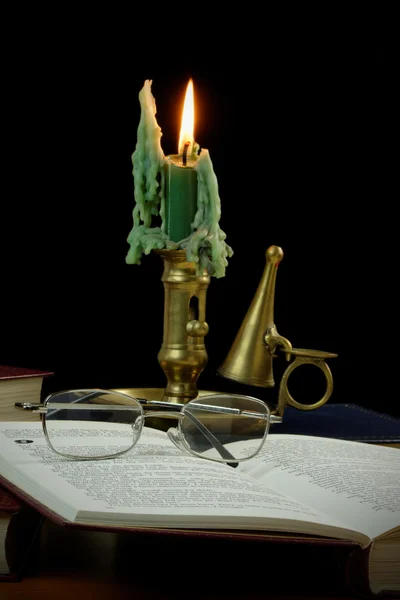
183 354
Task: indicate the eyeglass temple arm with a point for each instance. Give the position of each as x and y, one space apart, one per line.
36 407
28 406
40 407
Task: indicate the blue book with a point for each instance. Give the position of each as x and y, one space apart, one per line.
343 421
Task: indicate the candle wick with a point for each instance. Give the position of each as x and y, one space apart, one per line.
184 154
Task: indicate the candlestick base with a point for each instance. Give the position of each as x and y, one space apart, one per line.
183 354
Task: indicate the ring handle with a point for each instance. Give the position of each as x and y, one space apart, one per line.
305 357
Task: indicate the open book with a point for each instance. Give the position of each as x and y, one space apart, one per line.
297 484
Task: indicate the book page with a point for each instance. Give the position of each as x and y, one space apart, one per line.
154 484
357 484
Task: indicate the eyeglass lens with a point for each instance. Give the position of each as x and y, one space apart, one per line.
92 417
242 435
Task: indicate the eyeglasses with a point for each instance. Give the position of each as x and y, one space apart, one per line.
100 424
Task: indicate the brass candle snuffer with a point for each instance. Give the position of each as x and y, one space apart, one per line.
183 354
250 359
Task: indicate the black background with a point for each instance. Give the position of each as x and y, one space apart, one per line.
295 120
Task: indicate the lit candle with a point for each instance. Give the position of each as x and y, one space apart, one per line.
182 189
181 177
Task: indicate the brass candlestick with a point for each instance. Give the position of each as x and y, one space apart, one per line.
183 354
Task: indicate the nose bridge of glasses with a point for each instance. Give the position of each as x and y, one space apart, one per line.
176 439
138 425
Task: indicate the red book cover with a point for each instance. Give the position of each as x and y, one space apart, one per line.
9 503
7 372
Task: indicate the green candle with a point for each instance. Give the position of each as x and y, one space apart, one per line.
181 178
180 197
181 189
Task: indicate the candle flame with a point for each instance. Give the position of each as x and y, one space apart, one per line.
187 127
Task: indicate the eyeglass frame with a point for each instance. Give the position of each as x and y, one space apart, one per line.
176 435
